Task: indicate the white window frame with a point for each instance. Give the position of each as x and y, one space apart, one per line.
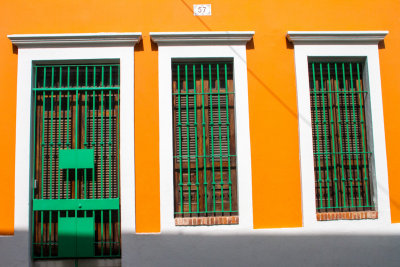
90 47
204 45
348 44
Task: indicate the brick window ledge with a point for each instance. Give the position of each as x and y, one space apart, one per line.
216 220
351 215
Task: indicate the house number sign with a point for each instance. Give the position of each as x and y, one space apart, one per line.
202 10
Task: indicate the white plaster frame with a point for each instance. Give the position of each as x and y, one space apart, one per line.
194 46
40 50
333 45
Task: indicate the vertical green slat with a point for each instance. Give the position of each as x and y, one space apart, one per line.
355 135
85 141
189 184
94 126
51 134
332 122
101 134
76 127
43 131
59 133
317 134
348 135
109 140
109 230
180 141
102 237
212 136
34 159
50 241
68 144
41 233
195 135
343 179
118 130
363 136
220 140
204 140
227 137
324 122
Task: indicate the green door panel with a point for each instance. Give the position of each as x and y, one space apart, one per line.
66 237
85 237
76 158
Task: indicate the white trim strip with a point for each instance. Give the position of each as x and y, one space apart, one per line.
202 37
129 38
336 36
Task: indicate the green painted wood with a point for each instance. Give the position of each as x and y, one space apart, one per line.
76 158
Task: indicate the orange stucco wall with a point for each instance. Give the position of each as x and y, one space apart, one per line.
271 80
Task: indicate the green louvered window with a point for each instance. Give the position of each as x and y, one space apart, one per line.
342 155
204 139
75 161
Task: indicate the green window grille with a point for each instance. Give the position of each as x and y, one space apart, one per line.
75 161
204 139
342 159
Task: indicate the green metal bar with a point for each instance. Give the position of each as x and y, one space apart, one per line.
212 136
85 143
348 136
109 229
76 128
195 137
50 241
318 144
118 131
204 139
101 134
109 140
75 65
340 137
198 93
188 138
94 128
33 184
68 143
339 153
80 88
41 233
73 204
180 141
358 179
220 140
102 239
43 131
355 136
324 122
59 132
227 137
363 136
51 135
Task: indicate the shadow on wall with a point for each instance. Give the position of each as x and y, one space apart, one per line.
231 250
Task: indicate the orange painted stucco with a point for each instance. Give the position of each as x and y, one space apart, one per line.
271 83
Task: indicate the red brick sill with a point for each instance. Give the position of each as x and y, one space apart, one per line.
197 221
351 215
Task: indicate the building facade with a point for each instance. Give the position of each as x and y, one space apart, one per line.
168 133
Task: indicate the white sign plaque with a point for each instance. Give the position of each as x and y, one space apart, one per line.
202 10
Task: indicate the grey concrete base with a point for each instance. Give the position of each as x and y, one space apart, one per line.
233 250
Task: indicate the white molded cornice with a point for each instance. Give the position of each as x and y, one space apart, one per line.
297 37
103 38
204 38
